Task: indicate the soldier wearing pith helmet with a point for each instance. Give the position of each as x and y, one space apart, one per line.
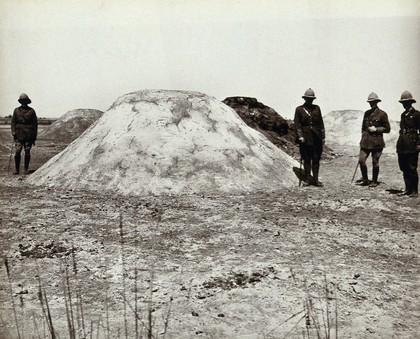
310 130
408 145
375 123
24 130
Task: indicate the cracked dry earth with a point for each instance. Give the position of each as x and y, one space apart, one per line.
339 261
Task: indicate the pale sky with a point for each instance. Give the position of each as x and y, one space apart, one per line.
85 54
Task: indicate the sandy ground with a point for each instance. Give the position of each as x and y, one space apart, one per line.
340 261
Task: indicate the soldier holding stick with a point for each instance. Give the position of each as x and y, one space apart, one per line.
24 130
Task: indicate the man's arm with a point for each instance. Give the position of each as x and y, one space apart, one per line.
13 124
35 122
418 130
364 123
321 125
298 125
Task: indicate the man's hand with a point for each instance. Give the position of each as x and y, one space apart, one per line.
301 140
372 129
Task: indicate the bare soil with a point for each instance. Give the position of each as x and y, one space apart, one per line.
340 261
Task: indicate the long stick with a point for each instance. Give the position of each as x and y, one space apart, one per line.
45 308
149 308
354 174
123 274
79 306
6 263
65 300
327 307
73 331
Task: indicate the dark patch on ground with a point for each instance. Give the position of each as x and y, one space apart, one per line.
45 250
238 279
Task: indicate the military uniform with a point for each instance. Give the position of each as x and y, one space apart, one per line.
375 123
409 138
408 146
374 140
24 130
310 130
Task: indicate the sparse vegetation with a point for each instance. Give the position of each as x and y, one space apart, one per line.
321 322
46 316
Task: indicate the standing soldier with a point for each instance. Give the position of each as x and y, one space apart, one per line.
24 131
375 123
311 136
408 145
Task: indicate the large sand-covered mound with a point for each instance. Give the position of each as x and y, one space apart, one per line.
71 125
156 141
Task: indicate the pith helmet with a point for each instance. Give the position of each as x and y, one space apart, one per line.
373 97
406 96
23 98
309 93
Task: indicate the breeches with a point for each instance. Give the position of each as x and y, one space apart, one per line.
311 152
311 155
408 165
364 153
26 145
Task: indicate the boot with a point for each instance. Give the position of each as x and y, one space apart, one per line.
27 160
416 185
315 171
413 182
407 190
307 169
365 180
17 163
375 174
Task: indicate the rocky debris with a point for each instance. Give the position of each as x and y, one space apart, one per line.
356 288
160 142
71 125
267 121
257 115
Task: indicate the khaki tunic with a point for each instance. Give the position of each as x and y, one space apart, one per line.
374 140
24 124
309 124
409 132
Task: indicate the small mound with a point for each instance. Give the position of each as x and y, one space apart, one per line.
71 125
